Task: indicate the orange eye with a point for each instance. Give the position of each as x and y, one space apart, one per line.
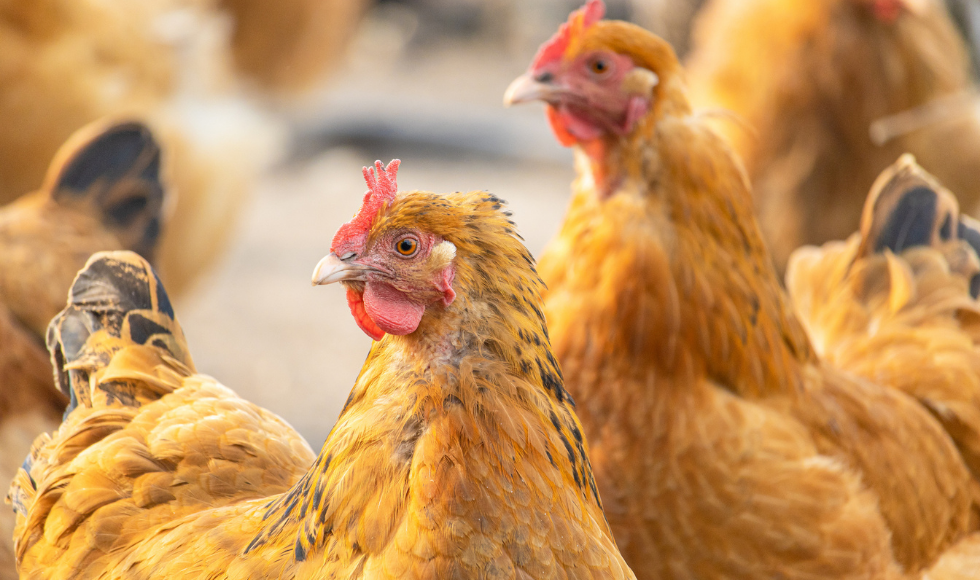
599 66
407 246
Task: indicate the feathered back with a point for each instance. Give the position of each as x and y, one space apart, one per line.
115 347
808 79
893 303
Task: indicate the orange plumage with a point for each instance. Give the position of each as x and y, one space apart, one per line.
722 444
103 192
893 303
458 453
807 80
28 406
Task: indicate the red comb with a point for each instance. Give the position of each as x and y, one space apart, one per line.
578 21
382 189
887 10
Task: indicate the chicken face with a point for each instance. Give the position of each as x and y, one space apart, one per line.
590 90
391 275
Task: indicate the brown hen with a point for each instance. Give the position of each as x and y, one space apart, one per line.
722 445
103 192
458 454
807 80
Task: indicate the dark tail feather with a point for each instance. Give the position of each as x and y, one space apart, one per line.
116 301
969 231
912 221
114 170
908 207
115 346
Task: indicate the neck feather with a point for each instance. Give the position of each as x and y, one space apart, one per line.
672 279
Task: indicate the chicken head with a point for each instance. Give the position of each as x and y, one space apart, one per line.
393 274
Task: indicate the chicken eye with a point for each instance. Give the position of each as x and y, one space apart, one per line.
407 246
599 66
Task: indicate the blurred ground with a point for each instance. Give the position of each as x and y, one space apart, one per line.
256 323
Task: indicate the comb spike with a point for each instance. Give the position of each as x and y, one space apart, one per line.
382 185
578 22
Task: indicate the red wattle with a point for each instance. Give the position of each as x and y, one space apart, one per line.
391 310
355 301
558 127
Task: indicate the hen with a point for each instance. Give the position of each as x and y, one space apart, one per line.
806 82
65 63
722 445
102 192
893 303
458 453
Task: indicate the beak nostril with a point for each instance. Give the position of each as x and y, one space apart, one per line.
545 77
348 256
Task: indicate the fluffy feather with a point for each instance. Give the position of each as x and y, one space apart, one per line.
103 191
901 316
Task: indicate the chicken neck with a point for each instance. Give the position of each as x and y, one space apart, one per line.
666 279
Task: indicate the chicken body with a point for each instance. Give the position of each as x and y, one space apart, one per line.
457 455
103 192
722 445
893 303
806 81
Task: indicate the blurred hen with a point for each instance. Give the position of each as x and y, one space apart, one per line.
723 446
806 81
102 192
289 46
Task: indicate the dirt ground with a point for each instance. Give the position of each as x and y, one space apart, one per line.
256 323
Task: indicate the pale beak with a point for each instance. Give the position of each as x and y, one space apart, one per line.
524 88
332 269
